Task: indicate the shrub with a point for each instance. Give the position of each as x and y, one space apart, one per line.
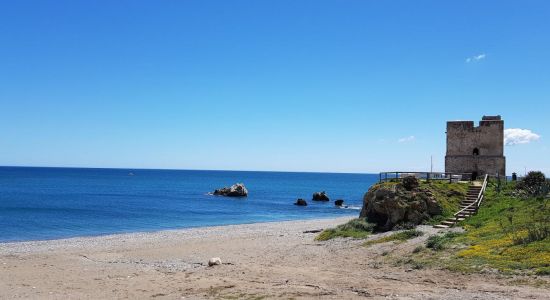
534 178
359 224
543 271
418 249
410 183
439 242
399 236
415 264
409 234
535 184
356 228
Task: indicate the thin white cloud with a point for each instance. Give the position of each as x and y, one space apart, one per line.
407 139
476 58
516 136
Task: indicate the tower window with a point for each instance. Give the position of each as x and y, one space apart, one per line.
476 151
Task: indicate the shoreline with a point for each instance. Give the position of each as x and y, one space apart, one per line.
130 234
138 236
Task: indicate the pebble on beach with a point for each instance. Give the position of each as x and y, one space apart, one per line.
215 261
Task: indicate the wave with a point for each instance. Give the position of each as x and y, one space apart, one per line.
351 207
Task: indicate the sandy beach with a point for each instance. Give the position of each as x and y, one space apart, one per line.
260 261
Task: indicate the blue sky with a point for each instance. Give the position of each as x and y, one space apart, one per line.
341 86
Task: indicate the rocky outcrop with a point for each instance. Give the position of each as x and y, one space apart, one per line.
392 204
301 202
236 190
320 196
339 202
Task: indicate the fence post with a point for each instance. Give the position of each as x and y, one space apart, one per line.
380 175
498 184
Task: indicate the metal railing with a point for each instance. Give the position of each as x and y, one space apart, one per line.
446 176
475 205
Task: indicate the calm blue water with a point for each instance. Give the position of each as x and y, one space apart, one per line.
50 203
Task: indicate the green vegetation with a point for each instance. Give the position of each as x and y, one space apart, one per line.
398 237
534 185
449 196
510 234
440 242
410 183
356 228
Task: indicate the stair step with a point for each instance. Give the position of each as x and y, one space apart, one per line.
441 226
455 220
449 223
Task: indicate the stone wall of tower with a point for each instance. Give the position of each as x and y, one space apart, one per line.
476 149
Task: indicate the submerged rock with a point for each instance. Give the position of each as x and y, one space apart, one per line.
320 196
301 202
236 190
390 205
339 202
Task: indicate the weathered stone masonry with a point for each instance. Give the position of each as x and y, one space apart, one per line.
476 150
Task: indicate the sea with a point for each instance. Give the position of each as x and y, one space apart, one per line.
53 203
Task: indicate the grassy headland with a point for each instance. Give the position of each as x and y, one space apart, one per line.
510 234
448 195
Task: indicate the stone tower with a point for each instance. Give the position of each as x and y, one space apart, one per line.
476 150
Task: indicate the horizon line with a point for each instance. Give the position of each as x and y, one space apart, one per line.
175 169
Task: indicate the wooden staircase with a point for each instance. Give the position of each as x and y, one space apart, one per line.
469 205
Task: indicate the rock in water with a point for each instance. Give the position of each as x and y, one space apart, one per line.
320 196
236 190
214 261
339 202
301 202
